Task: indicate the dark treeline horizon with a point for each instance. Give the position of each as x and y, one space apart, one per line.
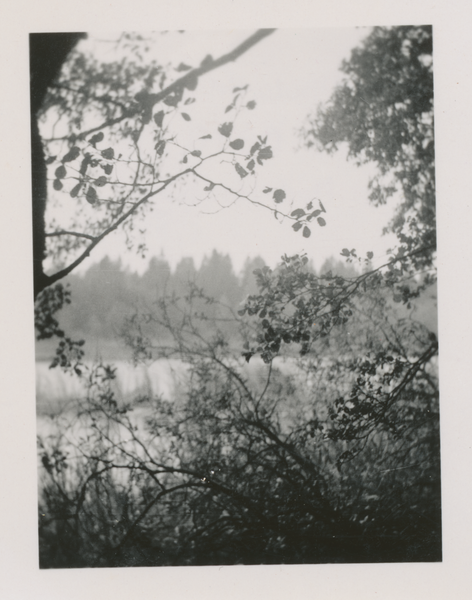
108 292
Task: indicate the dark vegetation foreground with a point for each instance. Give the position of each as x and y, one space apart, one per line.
303 424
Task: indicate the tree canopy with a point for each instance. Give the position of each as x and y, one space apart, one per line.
303 423
383 113
114 137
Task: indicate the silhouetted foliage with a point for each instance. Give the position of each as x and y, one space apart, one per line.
383 111
251 463
303 426
107 293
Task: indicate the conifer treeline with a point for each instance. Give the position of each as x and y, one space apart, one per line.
107 292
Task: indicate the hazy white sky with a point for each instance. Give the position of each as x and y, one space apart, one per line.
288 74
453 95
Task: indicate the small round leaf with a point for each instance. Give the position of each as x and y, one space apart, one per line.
265 153
75 190
91 195
191 82
226 129
98 137
72 154
240 170
159 118
108 153
279 196
160 147
60 172
101 181
237 144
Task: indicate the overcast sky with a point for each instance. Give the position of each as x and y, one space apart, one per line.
289 73
453 94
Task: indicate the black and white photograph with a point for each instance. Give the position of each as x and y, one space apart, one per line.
228 370
235 267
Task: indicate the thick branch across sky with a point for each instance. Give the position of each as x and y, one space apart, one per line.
189 80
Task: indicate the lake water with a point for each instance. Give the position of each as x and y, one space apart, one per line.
57 391
54 387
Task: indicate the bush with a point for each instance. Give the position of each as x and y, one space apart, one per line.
252 463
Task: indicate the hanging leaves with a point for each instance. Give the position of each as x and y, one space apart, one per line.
237 144
186 117
98 137
84 164
297 213
251 105
240 170
313 215
60 172
57 184
264 154
306 232
226 129
297 226
101 181
247 356
321 221
205 137
107 168
250 165
75 190
255 147
108 153
267 190
91 195
279 196
71 155
160 147
159 118
191 82
370 255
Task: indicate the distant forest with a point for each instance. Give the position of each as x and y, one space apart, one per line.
108 293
